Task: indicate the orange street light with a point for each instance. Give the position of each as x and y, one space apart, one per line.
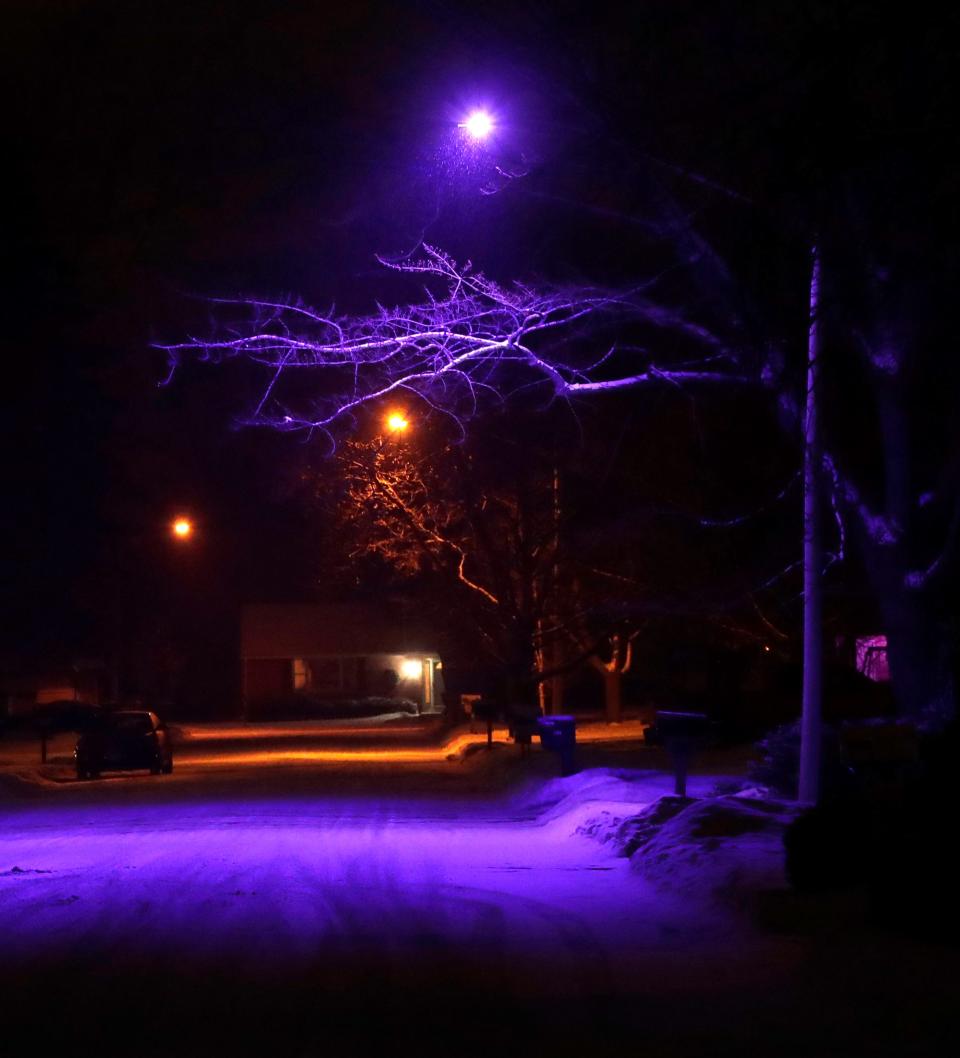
397 422
182 528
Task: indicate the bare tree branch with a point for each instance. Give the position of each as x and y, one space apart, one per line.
472 340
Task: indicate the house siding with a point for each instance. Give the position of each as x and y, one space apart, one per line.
304 660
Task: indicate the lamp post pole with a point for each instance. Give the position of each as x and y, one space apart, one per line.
810 720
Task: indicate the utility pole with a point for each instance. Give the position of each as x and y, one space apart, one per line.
810 721
556 653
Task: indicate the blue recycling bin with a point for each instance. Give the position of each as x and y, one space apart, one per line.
559 733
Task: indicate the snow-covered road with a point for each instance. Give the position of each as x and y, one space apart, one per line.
444 905
352 917
273 883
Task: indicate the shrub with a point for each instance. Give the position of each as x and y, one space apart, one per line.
778 767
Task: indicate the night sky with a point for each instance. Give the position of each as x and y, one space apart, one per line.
160 152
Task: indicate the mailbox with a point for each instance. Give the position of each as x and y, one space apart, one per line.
681 725
488 711
682 734
559 733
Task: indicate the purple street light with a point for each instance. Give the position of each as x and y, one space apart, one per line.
478 125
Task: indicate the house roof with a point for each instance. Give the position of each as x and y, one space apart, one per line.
279 630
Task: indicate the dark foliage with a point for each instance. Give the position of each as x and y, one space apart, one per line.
779 765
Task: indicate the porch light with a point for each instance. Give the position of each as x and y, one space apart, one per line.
411 668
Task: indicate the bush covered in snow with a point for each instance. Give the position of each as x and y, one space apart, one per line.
712 848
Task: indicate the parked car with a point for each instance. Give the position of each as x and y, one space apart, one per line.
125 739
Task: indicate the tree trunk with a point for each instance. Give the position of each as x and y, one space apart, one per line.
612 683
921 670
920 644
520 683
810 725
919 637
555 696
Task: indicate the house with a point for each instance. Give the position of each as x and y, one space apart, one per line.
317 659
24 690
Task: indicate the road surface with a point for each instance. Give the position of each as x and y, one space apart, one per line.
350 911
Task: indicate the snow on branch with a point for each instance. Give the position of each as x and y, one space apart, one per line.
469 339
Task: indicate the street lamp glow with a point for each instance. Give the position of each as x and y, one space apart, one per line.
182 528
478 125
397 423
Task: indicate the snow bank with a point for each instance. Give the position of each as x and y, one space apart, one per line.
722 849
628 833
713 849
620 786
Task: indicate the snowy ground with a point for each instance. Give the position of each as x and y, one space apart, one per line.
361 909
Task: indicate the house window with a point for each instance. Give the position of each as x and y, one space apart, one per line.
301 674
872 658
